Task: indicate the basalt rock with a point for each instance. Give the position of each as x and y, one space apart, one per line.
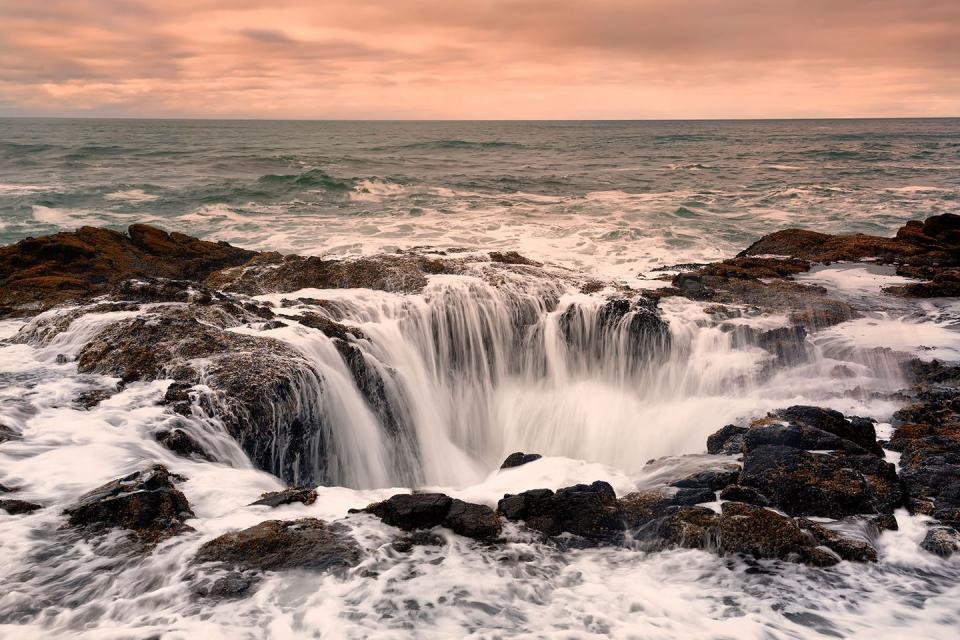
277 545
640 507
590 511
518 459
39 273
857 549
740 493
634 323
860 431
18 507
726 440
711 479
941 541
411 511
181 443
304 495
145 502
762 533
512 257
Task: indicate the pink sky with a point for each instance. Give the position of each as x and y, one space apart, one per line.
480 58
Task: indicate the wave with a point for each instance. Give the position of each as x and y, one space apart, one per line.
455 144
311 178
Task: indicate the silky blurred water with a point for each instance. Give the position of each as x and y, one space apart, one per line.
615 197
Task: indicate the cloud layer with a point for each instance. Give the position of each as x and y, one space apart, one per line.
480 59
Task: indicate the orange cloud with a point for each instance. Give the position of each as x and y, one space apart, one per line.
480 59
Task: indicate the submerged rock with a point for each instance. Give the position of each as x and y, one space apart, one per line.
518 459
304 495
277 545
590 511
145 502
181 443
411 511
18 507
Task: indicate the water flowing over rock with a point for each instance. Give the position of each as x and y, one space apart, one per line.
277 545
18 507
144 502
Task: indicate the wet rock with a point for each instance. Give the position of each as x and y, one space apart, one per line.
518 459
6 433
798 437
686 527
762 533
590 511
93 397
712 479
512 257
740 493
304 495
418 538
181 443
329 327
640 507
18 507
273 324
803 483
39 273
276 545
427 510
846 546
600 334
860 431
145 502
727 440
234 585
472 520
941 541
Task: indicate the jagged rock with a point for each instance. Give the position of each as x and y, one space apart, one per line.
145 502
804 483
740 493
712 479
762 533
18 507
518 459
512 257
275 545
418 538
93 397
640 507
860 431
305 495
235 584
410 511
590 511
181 443
941 541
845 546
727 440
39 273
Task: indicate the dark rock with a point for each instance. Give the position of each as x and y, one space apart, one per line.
687 527
273 324
39 273
600 335
512 257
762 533
820 484
6 433
712 479
798 437
860 431
518 459
146 502
640 507
275 545
93 397
18 507
181 443
233 585
728 439
590 511
417 539
290 495
427 510
739 493
472 520
941 541
845 546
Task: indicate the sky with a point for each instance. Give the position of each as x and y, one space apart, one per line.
480 59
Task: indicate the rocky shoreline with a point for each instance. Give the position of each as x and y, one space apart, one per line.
801 484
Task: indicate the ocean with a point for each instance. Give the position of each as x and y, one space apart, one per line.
612 197
474 366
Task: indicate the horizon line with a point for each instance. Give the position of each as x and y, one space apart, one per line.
425 120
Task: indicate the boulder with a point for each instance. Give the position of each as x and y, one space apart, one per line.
859 431
411 511
518 459
181 443
762 533
726 440
304 495
590 511
941 541
276 545
740 493
848 547
18 507
686 527
640 507
803 483
712 479
145 502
